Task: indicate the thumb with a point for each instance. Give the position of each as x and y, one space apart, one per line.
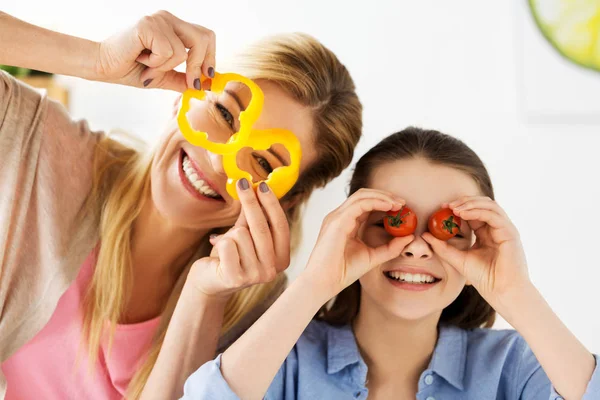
386 252
170 80
448 253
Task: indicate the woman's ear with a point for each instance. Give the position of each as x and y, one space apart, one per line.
176 104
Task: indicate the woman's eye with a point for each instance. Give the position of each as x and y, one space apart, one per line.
264 164
227 117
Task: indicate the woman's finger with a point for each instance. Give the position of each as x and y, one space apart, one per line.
280 228
179 55
201 56
156 42
170 80
246 250
257 223
230 270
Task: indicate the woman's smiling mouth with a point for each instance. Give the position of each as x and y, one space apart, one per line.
194 181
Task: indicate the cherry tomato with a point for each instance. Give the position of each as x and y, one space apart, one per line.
400 223
443 224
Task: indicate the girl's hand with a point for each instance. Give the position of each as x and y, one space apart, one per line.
253 251
146 54
340 257
495 265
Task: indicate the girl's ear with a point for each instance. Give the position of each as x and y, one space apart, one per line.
291 201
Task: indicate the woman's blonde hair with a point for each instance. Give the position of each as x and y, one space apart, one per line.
308 72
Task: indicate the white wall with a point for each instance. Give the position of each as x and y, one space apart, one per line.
454 66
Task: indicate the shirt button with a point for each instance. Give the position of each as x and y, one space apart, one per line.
429 379
357 394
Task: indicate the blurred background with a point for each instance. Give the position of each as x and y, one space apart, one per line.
479 70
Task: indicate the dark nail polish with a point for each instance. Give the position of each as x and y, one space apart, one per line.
263 187
211 72
147 82
243 184
197 83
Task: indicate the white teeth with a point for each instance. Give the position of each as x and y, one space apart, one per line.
411 278
200 185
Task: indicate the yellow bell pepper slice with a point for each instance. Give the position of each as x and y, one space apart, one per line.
281 179
247 118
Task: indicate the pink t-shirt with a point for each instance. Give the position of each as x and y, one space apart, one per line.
53 365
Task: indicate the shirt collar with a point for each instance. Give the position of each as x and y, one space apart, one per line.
448 360
450 355
342 351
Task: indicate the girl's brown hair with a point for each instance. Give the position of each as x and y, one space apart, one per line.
469 310
308 72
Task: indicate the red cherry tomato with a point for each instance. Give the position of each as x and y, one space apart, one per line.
443 224
400 223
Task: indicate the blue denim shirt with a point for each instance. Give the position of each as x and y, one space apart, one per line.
325 363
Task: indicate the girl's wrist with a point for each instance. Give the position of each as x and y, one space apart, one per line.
317 289
513 303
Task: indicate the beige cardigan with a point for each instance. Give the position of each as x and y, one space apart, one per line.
45 235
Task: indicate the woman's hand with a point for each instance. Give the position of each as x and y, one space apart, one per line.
495 265
146 54
340 257
253 251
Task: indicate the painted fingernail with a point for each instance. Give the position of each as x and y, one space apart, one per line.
263 187
147 82
213 236
243 184
211 72
197 83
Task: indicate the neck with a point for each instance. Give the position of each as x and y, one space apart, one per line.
159 248
396 350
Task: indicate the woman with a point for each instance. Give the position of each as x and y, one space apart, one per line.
121 236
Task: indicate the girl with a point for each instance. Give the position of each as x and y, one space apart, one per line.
411 314
121 235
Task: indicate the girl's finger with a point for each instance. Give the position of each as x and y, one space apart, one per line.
389 251
491 218
374 194
347 220
280 228
483 203
448 253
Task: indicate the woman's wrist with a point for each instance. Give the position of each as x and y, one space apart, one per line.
194 297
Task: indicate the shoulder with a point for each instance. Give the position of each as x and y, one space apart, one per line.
502 354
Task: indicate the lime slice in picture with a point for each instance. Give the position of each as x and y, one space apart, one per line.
572 27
